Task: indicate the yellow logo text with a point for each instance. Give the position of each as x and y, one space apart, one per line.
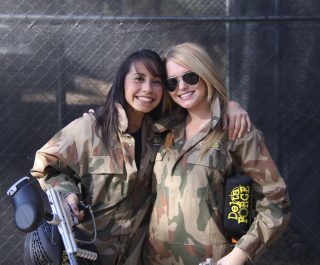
239 203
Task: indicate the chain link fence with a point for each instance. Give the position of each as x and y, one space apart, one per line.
58 59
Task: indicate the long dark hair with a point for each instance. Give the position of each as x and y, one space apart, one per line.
106 118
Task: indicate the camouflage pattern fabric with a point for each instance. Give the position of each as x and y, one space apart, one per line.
186 222
76 160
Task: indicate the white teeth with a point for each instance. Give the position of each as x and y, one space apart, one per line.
185 95
144 99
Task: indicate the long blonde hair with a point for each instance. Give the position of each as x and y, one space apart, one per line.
194 57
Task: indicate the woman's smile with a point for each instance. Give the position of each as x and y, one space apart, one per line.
186 95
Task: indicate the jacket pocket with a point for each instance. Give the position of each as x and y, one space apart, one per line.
105 164
205 189
105 184
213 159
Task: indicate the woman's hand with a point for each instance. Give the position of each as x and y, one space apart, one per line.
235 257
87 113
73 200
236 120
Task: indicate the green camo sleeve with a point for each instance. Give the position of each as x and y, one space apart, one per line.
61 182
269 191
57 163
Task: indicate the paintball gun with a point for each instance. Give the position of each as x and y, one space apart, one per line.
30 210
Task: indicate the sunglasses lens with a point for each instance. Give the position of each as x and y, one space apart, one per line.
190 78
170 84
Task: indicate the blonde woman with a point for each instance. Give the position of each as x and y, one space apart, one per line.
191 168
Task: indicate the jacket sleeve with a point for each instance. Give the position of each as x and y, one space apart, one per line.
269 190
57 164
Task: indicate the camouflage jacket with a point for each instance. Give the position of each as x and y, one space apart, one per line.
76 160
186 222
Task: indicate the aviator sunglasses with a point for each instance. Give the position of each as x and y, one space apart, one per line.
189 78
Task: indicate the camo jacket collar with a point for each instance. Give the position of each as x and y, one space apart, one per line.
123 122
169 121
122 118
216 113
178 131
175 124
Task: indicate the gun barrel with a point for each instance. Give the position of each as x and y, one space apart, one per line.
72 259
64 220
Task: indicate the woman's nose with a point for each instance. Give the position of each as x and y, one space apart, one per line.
147 86
181 84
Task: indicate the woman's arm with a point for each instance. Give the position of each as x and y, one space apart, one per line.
57 163
269 192
236 120
235 257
